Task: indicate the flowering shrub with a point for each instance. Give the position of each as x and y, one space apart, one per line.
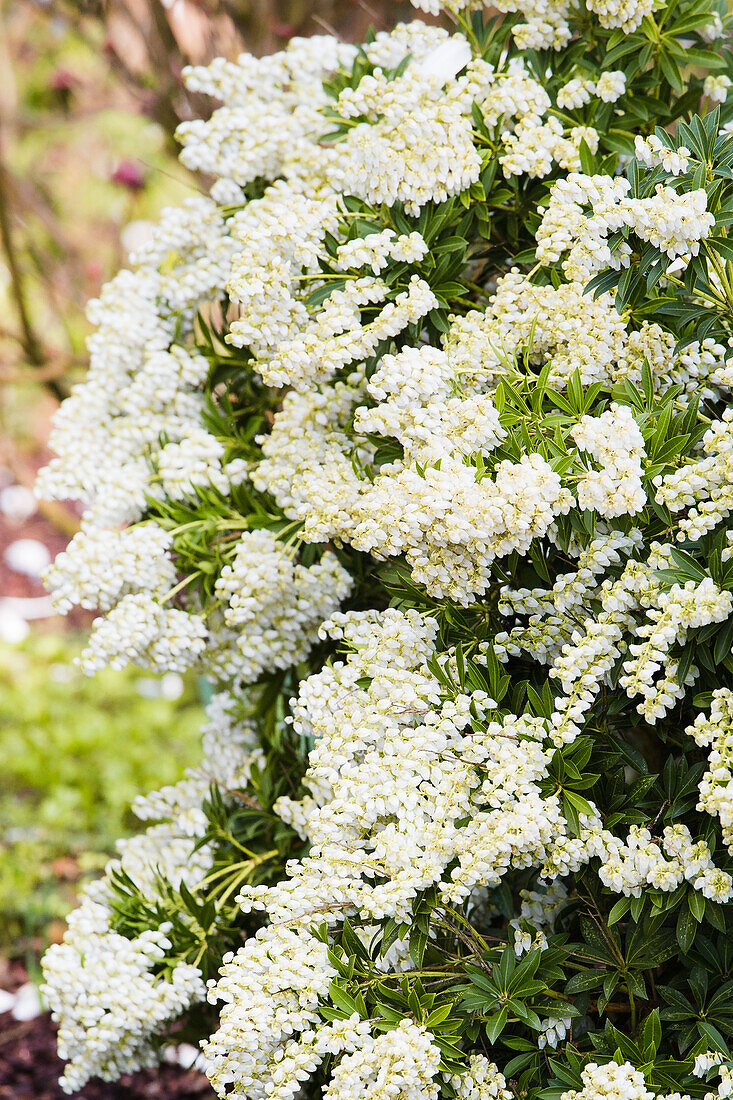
415 438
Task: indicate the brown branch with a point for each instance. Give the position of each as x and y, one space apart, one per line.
170 44
29 340
55 367
376 17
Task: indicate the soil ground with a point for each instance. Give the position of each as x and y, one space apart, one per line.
30 1067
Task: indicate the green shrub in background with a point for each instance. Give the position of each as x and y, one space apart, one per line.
74 753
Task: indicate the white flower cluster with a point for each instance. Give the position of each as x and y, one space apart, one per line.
706 1061
651 151
533 147
108 990
191 249
274 606
377 249
141 630
609 87
336 337
553 612
675 224
723 1070
629 866
716 786
586 659
400 1064
134 430
614 1082
566 328
624 14
412 111
716 88
282 233
639 862
704 488
103 988
449 523
481 1081
271 989
538 912
82 573
139 390
436 404
271 109
615 441
677 611
545 27
390 775
546 21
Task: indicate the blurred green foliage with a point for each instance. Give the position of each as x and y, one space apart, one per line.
74 752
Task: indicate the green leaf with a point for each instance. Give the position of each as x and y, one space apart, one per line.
687 564
652 951
609 985
582 805
626 285
716 915
602 283
341 998
584 980
619 910
417 944
629 44
686 929
714 1039
722 246
504 971
671 69
723 642
496 1024
587 160
696 904
526 1014
439 1015
651 1035
521 1060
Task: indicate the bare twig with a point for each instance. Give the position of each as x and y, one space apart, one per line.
30 342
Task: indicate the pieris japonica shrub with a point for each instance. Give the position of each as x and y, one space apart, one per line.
415 439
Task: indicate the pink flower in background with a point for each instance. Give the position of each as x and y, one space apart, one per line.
129 174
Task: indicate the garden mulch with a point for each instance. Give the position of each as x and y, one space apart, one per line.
30 1067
